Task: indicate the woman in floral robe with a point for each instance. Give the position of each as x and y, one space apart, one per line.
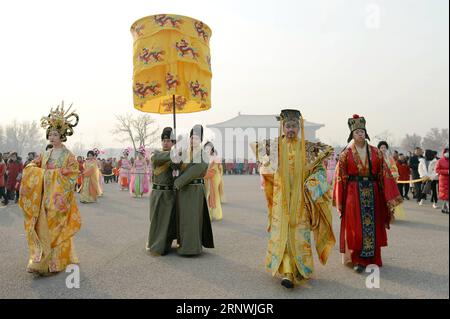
90 188
48 201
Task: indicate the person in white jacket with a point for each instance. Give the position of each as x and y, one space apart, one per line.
427 170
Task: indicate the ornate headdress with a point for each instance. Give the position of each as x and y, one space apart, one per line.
289 115
355 123
126 151
96 152
61 121
141 150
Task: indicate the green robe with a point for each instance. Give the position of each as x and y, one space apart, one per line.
194 224
162 206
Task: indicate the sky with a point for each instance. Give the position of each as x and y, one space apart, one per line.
384 59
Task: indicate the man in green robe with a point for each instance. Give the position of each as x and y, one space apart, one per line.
162 199
193 221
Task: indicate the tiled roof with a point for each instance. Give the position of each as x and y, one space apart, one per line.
246 120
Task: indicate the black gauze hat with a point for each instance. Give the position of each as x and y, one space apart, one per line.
167 133
198 131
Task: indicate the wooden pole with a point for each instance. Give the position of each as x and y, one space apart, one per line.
174 117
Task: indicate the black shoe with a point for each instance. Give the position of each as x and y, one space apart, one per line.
358 269
444 211
406 197
287 283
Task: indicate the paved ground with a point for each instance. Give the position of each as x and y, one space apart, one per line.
114 263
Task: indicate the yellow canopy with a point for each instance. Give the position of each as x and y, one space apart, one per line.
171 57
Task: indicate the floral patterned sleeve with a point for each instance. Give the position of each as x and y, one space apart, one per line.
72 169
37 161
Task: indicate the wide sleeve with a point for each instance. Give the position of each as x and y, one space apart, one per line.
318 206
210 171
37 162
388 184
89 170
340 182
394 169
71 169
193 171
160 157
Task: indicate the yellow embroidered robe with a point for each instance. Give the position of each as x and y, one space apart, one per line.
50 210
301 204
214 189
91 187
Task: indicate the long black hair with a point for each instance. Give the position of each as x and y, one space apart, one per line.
213 150
429 155
381 143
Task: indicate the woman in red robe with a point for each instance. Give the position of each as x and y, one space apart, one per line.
365 194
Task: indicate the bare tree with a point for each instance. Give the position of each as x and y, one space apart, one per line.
124 129
410 142
79 149
97 145
140 130
2 139
24 137
146 129
386 136
436 139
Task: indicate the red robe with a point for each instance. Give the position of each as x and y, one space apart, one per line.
364 240
2 174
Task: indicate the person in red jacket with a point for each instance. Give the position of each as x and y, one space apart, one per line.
2 181
80 176
14 169
442 167
403 175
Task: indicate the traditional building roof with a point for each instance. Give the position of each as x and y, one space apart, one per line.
263 121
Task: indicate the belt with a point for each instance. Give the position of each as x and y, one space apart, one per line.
197 181
162 187
361 178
